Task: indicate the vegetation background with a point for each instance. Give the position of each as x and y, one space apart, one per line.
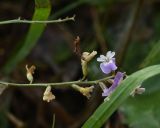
131 28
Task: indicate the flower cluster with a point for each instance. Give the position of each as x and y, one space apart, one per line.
107 66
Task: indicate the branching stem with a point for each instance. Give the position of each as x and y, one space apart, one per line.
61 84
19 20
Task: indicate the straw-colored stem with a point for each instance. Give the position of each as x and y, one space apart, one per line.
60 84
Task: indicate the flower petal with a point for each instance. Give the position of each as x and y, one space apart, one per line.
105 92
114 60
102 58
105 67
110 54
117 79
113 66
108 67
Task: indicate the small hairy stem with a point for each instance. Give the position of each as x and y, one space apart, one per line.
61 84
19 20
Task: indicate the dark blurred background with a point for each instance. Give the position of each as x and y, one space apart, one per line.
128 27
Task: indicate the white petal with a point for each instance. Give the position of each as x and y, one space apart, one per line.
110 54
100 59
103 57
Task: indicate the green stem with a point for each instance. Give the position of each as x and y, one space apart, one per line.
36 21
57 84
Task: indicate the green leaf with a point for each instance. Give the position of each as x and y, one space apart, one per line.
105 110
42 11
146 105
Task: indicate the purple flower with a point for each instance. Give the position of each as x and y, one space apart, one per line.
117 79
108 62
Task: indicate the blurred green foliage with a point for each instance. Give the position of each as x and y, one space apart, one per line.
153 56
139 112
143 111
42 11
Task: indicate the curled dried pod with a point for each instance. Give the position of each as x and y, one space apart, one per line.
138 90
86 91
85 58
30 72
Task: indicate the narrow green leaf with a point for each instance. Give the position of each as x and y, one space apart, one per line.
105 110
42 11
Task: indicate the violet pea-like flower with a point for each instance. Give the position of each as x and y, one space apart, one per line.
117 79
107 62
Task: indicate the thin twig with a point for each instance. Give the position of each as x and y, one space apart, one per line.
19 20
57 84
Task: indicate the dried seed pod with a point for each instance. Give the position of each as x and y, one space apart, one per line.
138 90
85 58
30 72
86 91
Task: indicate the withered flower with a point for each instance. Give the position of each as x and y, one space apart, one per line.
86 91
138 90
48 95
85 58
30 72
